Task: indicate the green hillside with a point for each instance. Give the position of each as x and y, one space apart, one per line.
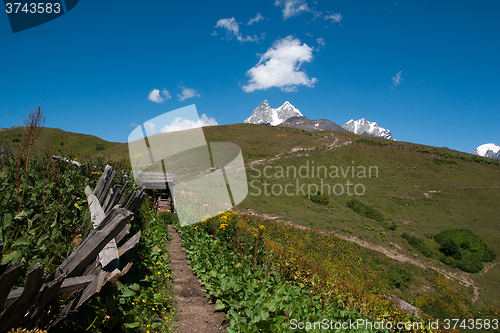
64 143
420 191
413 193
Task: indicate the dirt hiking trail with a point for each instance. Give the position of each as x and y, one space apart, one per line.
195 312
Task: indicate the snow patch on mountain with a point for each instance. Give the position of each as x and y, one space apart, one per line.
365 127
264 114
490 150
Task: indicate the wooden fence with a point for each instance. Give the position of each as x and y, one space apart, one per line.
95 262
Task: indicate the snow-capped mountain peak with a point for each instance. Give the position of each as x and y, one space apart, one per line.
264 114
488 150
365 127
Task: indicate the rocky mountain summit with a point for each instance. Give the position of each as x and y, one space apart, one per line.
288 115
264 114
490 150
368 128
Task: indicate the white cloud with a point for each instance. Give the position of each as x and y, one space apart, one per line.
397 79
157 97
214 33
187 93
180 124
335 17
256 19
292 8
280 67
233 30
321 41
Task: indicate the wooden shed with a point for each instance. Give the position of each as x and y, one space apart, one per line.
160 186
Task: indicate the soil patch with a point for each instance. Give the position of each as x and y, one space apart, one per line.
194 310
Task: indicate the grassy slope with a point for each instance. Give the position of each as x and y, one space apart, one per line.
78 145
467 193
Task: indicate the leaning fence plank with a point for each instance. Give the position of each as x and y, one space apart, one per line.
67 286
122 197
102 181
108 257
9 279
129 244
134 206
102 196
125 231
112 279
64 313
130 198
114 194
95 242
16 311
93 288
47 294
96 212
75 283
107 201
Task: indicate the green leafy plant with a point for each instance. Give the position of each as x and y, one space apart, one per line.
365 210
463 249
141 301
319 198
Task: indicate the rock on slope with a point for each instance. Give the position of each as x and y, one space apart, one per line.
312 125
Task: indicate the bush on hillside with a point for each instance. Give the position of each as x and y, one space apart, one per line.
400 276
461 248
371 142
319 198
365 210
439 161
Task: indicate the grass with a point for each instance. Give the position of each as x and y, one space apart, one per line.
420 190
64 143
414 193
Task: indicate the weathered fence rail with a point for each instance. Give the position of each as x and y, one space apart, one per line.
95 262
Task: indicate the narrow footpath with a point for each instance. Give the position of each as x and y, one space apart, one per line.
195 312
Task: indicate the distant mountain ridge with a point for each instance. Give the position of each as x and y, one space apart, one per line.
289 116
490 150
368 128
312 125
264 114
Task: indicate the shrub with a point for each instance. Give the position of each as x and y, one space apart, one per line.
365 210
371 142
99 146
320 199
439 161
400 276
463 249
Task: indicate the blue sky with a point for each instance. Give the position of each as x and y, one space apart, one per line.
95 69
